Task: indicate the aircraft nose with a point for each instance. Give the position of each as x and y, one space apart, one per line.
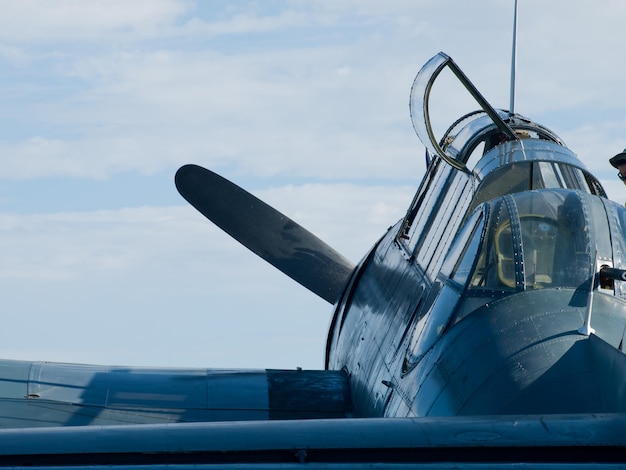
524 354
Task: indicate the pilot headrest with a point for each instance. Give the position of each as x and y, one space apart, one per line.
618 159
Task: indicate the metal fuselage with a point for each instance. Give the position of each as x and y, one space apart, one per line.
486 298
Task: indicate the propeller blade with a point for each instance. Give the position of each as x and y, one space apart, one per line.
273 236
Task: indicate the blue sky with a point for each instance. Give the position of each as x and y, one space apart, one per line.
303 103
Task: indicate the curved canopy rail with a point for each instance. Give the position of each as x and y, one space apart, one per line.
419 107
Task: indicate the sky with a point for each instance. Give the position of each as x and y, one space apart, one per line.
302 103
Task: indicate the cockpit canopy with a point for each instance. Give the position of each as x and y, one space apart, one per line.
502 143
535 239
490 158
547 238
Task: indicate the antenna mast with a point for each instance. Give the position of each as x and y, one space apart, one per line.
513 62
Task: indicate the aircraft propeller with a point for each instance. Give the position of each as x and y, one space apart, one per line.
270 234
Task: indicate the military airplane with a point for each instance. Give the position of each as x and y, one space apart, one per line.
486 327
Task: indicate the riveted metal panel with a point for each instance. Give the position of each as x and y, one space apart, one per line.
119 386
14 378
544 364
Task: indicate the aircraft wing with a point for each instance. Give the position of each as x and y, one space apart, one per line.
44 394
574 441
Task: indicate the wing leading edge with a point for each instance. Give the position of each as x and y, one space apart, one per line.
456 442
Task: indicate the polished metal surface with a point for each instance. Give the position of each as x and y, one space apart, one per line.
447 442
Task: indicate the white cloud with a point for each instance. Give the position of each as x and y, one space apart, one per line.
147 112
349 217
245 23
71 20
142 276
13 54
147 108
